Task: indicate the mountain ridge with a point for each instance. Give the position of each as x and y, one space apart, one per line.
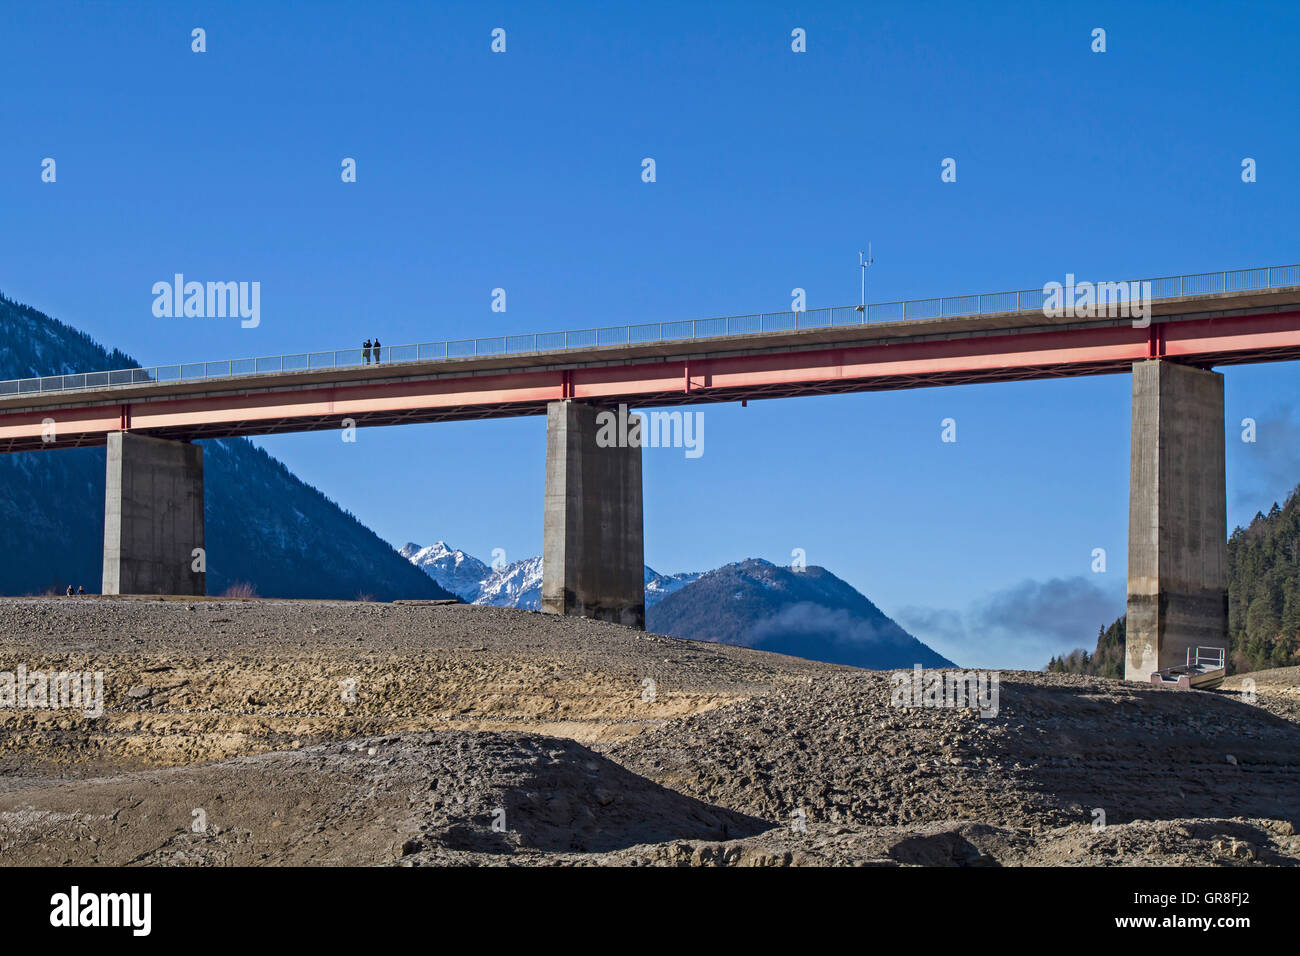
805 612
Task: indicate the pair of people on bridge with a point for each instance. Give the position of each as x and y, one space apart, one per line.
368 347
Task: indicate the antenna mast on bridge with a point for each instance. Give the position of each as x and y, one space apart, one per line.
864 259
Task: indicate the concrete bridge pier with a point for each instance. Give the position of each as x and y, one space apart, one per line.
593 560
153 516
1178 535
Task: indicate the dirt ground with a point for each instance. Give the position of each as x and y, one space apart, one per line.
283 732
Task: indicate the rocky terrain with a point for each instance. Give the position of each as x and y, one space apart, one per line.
282 732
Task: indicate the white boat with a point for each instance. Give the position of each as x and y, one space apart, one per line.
1204 670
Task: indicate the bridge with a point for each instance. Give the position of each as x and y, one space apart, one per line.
592 555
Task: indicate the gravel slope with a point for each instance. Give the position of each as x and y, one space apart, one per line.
409 734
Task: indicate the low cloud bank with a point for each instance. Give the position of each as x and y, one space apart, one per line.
1022 626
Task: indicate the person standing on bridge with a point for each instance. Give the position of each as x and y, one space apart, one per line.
376 350
365 351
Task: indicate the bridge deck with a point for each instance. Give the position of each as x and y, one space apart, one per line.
1203 330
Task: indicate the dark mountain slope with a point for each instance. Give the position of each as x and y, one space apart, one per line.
264 526
809 613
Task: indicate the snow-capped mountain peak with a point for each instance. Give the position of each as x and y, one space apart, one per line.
460 573
515 585
659 586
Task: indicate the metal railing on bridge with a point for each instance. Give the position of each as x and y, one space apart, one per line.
1167 287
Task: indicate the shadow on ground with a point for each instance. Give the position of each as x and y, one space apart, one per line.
1145 754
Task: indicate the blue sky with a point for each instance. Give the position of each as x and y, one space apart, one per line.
522 171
